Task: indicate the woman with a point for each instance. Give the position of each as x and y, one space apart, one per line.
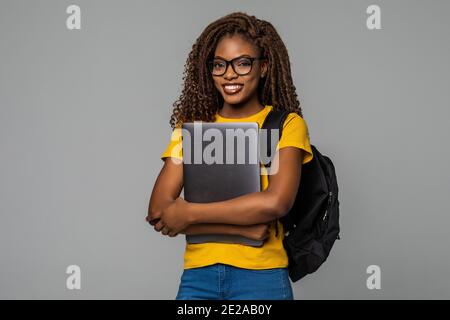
238 70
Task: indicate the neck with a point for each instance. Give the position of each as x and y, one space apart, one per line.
241 110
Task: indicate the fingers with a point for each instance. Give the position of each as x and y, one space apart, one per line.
165 231
152 220
159 226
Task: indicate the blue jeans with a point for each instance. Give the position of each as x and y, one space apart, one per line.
225 282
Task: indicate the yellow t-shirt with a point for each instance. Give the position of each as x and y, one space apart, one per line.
272 253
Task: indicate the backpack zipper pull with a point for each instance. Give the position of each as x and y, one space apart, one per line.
330 194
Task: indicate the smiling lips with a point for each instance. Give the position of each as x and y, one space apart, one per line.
232 88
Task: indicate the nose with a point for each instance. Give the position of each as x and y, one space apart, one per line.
229 72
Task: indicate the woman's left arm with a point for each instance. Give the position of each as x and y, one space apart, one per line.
252 208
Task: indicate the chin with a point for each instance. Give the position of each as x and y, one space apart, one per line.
234 100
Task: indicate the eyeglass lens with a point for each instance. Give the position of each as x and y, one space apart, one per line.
241 66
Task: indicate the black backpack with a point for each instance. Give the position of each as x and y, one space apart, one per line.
312 225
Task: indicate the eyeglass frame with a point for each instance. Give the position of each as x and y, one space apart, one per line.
230 62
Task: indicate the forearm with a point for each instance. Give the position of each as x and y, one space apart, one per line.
249 209
155 209
214 228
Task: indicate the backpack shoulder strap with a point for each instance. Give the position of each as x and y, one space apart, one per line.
274 120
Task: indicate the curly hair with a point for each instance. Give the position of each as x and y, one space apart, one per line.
200 100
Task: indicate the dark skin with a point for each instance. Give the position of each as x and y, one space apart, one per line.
251 213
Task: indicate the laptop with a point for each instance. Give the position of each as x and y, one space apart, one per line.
220 162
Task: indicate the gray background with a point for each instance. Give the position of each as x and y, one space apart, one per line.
85 116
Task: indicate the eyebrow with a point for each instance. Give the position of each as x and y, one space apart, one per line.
241 56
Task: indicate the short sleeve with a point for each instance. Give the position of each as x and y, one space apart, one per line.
174 148
295 134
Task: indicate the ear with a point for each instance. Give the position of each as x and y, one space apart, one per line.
264 67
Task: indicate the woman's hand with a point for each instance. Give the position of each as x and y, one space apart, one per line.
257 231
174 218
153 219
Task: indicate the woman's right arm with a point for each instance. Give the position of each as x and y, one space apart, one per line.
167 189
255 232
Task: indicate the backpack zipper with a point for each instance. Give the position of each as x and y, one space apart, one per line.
330 194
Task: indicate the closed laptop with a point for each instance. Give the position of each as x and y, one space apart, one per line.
220 162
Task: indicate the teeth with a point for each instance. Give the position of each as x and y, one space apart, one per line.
233 87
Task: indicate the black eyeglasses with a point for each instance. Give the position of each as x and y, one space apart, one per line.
241 65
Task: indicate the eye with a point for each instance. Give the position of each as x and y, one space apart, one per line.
218 64
244 62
